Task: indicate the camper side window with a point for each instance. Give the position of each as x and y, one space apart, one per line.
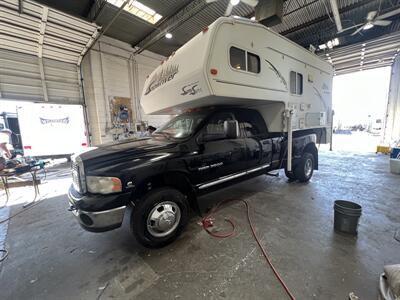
296 83
238 58
243 60
253 63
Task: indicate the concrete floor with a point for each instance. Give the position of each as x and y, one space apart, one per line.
51 257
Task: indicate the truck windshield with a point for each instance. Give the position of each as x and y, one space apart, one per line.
181 126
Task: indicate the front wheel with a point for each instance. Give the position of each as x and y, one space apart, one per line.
159 217
305 168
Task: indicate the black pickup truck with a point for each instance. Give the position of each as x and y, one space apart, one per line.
156 180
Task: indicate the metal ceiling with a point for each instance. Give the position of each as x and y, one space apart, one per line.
378 52
304 21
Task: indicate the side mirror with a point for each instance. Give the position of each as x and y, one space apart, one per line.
231 129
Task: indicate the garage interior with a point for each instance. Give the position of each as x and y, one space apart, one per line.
94 54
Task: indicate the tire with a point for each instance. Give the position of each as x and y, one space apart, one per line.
290 175
305 167
159 217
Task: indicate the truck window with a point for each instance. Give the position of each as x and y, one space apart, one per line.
251 123
238 58
296 83
215 127
181 126
243 60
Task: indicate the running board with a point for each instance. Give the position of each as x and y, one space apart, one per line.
230 177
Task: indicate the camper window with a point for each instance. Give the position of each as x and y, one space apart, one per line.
243 60
253 63
296 83
238 58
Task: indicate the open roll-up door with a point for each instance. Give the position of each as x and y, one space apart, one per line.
40 52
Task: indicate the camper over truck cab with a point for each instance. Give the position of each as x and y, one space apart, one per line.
248 101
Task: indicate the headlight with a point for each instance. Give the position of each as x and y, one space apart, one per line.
103 185
78 175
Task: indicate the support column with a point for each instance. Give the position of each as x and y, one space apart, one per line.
42 30
288 114
392 120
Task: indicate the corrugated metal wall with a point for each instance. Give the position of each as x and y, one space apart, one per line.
40 51
23 78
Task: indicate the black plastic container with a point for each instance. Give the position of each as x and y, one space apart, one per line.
347 216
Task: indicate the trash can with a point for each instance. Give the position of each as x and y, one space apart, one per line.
395 153
394 161
347 216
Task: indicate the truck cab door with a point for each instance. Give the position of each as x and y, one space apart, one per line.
218 155
259 147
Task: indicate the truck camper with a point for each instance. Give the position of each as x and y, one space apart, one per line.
248 101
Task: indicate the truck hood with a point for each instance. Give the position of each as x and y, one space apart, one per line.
124 149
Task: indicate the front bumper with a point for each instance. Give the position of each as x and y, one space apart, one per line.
95 221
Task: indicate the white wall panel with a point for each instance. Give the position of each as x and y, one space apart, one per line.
111 70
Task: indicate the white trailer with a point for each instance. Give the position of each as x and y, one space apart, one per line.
52 130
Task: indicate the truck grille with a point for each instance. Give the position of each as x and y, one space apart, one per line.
75 177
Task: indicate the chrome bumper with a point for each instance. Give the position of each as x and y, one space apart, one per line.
100 220
97 221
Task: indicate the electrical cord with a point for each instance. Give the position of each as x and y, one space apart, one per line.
207 223
21 211
5 255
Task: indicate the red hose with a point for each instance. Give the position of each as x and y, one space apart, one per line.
207 222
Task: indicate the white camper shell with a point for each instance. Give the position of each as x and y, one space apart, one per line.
237 61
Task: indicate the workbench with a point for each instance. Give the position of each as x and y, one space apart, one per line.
7 174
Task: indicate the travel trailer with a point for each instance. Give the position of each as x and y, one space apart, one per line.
248 102
52 130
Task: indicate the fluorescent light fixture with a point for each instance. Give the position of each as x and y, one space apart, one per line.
368 26
139 10
330 44
168 35
235 2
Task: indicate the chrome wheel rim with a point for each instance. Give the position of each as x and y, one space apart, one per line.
163 219
308 167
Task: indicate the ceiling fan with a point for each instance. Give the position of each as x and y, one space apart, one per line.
233 3
373 19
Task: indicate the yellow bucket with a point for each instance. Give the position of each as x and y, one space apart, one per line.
383 149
